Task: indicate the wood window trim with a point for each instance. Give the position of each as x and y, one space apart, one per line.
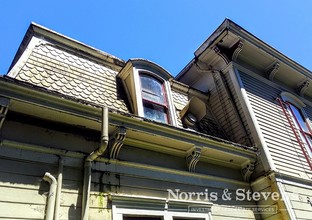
124 205
305 133
289 103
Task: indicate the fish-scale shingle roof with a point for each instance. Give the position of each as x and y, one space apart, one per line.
68 73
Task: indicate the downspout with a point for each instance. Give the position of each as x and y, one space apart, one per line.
59 189
88 163
51 198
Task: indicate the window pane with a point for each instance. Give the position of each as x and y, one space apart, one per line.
152 89
155 112
309 145
300 119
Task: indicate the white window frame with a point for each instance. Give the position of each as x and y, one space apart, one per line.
124 205
138 94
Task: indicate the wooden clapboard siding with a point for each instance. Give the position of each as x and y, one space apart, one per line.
138 184
268 185
298 198
22 172
283 147
23 193
226 110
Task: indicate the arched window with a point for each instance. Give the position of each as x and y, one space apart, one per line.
155 105
302 125
149 91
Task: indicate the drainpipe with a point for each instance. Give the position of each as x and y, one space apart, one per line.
88 163
59 189
51 198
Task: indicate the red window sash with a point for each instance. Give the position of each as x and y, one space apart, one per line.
290 121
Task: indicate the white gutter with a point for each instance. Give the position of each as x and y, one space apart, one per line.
59 189
51 198
88 163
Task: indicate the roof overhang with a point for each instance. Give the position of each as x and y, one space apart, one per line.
39 102
232 43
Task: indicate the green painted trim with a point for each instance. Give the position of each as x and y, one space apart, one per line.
151 168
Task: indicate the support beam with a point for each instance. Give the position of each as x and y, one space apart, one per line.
192 157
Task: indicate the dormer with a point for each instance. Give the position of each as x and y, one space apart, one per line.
148 90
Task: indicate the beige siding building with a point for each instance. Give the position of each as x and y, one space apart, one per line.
86 135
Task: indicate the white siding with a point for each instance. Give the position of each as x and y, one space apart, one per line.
284 149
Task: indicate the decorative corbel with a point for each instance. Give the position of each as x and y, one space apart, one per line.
247 170
272 70
4 107
303 86
116 141
237 49
192 157
222 54
229 54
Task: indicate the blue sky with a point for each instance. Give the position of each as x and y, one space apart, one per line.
164 31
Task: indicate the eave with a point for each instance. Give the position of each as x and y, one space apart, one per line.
36 101
254 54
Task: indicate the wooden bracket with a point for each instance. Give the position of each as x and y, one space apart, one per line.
303 86
237 49
247 170
229 54
116 141
4 107
272 70
192 157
